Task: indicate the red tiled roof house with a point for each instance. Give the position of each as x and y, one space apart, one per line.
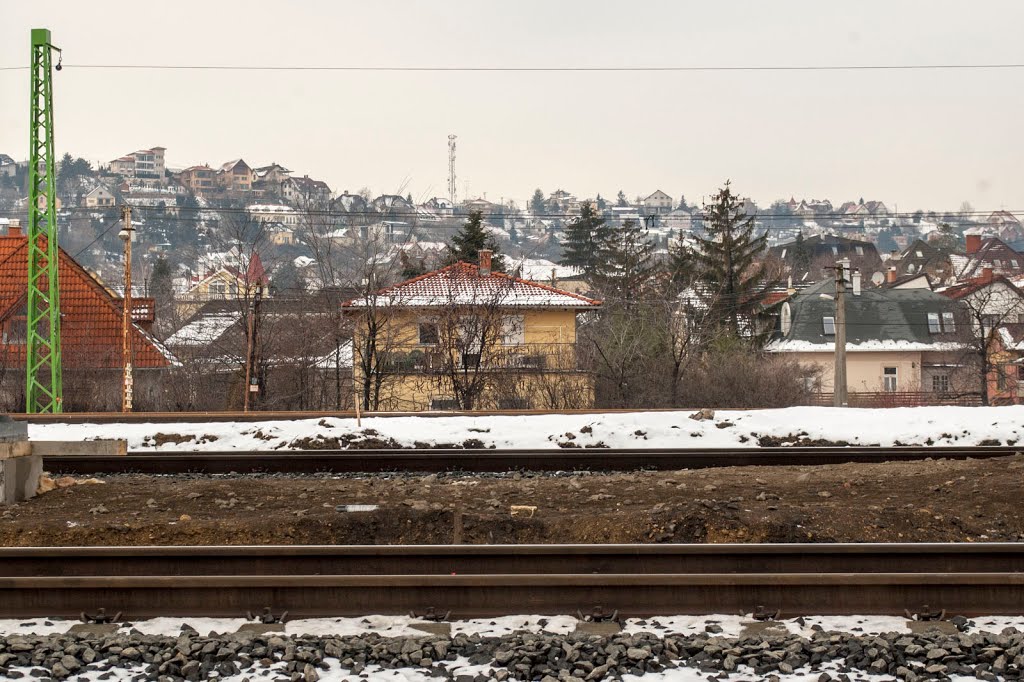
91 329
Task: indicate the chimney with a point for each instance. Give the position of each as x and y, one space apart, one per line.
973 243
485 262
890 276
14 228
986 274
856 282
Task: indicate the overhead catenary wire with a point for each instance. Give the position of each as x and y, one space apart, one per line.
567 68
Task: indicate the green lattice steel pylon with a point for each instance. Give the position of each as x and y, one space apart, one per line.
43 384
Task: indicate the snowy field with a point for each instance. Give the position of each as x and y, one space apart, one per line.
728 429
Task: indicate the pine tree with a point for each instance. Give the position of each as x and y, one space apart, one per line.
537 202
682 202
801 254
627 264
513 235
621 199
730 271
601 203
471 239
582 240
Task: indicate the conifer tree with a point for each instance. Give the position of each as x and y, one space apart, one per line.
627 265
583 239
731 274
537 202
620 200
801 254
467 243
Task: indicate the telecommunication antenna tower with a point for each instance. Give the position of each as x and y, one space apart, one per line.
451 169
43 381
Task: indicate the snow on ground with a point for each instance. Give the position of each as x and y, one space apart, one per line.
729 428
405 626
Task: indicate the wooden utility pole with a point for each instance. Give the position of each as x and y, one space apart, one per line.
251 382
127 233
839 379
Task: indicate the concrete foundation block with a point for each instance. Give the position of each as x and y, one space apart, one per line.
19 478
439 629
261 628
601 629
919 627
93 629
763 628
56 448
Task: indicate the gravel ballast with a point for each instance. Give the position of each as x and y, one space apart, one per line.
521 656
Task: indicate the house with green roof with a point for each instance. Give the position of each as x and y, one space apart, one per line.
897 340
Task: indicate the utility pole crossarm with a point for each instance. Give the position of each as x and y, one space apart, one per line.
43 375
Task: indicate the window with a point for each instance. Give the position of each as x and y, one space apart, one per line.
1013 263
919 254
471 361
940 383
860 250
1001 376
835 250
784 253
941 322
512 330
428 334
948 325
889 379
444 404
998 263
829 326
16 330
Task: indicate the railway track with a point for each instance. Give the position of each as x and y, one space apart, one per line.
491 461
485 581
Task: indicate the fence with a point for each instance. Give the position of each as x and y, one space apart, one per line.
900 399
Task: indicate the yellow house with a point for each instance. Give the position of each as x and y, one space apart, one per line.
466 338
226 283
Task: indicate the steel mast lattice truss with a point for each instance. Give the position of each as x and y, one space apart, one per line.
43 384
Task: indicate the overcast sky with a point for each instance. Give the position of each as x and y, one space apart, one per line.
915 139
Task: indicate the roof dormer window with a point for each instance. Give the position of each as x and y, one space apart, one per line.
828 325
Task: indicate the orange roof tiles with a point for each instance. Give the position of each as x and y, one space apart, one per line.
91 317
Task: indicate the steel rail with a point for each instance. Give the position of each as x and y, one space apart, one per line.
636 580
512 559
494 461
504 594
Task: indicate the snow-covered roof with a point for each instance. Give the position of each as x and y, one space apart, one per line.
541 270
462 284
872 345
204 330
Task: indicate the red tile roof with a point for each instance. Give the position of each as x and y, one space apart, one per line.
958 291
91 316
462 284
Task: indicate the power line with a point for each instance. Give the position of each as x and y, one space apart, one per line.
544 69
258 216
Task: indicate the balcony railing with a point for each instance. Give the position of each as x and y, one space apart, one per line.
531 357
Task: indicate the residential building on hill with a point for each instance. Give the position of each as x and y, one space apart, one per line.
987 252
202 180
145 166
467 338
815 259
657 203
235 176
99 197
305 192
